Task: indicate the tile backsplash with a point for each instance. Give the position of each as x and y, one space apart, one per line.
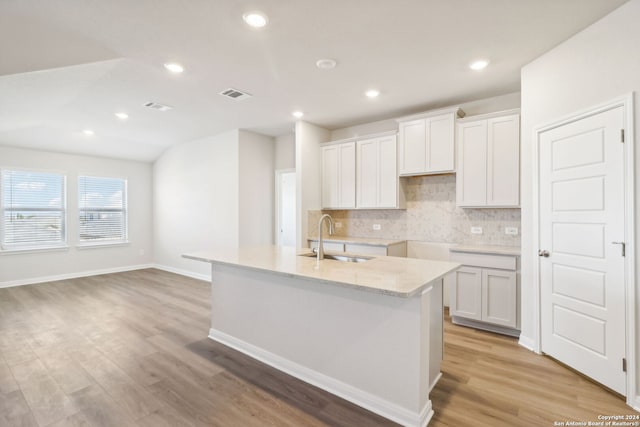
431 216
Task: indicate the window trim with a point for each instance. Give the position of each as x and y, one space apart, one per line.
30 247
91 244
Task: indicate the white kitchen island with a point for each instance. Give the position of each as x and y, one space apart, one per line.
369 332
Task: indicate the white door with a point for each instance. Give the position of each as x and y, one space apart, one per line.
466 293
581 170
440 143
286 227
368 173
387 173
412 149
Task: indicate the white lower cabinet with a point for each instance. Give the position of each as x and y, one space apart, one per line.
484 296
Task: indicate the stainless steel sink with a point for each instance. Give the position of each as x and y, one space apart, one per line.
343 258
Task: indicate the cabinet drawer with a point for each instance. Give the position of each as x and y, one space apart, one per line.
328 246
365 249
504 262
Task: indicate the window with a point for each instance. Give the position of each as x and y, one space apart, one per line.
103 209
33 210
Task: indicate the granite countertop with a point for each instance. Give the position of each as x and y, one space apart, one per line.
402 277
358 240
487 249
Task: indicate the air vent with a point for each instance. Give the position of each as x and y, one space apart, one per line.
235 94
159 107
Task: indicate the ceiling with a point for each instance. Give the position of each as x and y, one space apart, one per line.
69 65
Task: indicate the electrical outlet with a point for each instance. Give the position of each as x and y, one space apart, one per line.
338 224
476 230
512 231
377 227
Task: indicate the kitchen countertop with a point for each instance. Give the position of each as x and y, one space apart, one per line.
396 276
487 249
358 240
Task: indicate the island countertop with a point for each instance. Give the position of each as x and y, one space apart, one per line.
402 277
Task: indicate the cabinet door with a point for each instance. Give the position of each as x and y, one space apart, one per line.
365 249
387 172
330 176
441 143
347 175
466 293
499 297
377 176
503 163
368 173
412 148
471 177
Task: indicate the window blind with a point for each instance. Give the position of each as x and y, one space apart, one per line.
102 209
33 209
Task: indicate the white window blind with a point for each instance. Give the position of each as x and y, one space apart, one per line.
33 209
103 209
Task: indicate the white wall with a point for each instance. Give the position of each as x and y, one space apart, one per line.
42 266
308 140
285 146
256 189
196 200
213 192
595 66
471 108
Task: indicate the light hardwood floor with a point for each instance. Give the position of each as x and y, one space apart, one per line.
130 349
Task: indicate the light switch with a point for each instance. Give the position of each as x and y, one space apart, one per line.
377 227
512 231
476 230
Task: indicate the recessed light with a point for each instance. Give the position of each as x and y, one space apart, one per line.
478 65
255 19
122 116
174 67
326 64
372 93
88 132
297 114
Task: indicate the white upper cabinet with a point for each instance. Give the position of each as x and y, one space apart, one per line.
377 177
361 173
339 176
488 172
426 143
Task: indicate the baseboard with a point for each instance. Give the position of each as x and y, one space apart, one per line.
485 326
636 404
205 277
528 343
361 398
43 279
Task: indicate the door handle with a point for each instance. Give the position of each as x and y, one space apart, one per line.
543 253
623 245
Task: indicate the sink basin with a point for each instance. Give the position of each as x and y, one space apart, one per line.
343 258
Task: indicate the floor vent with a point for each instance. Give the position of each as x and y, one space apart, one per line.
157 106
235 94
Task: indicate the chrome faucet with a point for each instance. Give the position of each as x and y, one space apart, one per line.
320 244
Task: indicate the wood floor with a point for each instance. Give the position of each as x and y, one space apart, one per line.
130 349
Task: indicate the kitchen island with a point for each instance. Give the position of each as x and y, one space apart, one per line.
369 332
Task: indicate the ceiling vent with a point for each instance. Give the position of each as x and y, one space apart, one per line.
235 94
157 106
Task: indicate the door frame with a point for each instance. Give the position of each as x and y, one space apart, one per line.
276 228
626 102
